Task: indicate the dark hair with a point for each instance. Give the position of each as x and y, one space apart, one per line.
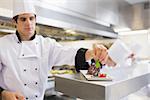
16 17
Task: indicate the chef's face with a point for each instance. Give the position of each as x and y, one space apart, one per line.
25 24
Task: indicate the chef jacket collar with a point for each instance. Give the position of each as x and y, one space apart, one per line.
19 38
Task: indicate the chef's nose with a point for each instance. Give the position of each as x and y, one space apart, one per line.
28 21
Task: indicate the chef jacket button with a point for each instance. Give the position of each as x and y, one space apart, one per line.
36 83
25 84
36 96
35 68
27 98
24 70
22 54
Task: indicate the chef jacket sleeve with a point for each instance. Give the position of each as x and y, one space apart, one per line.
80 61
61 55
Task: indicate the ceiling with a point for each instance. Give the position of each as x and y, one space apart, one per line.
136 1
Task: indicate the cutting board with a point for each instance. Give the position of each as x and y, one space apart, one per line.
95 78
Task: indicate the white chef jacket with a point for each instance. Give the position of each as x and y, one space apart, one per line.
24 65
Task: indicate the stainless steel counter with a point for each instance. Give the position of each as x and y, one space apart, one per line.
126 80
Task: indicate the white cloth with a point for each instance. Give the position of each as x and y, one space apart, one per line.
24 66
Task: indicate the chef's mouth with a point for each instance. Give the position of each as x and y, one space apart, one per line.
29 29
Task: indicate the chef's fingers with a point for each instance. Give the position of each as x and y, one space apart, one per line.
103 55
89 54
100 52
95 52
104 61
8 95
19 96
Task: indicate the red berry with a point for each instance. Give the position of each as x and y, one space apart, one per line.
102 75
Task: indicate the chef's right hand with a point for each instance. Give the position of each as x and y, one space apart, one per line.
8 95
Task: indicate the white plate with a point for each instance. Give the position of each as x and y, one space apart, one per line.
95 78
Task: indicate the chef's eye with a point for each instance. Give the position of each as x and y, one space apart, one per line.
32 18
23 19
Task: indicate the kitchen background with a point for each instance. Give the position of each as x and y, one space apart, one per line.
81 23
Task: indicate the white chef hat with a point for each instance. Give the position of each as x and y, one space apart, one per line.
23 6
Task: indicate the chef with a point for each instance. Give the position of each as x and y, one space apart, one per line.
26 58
